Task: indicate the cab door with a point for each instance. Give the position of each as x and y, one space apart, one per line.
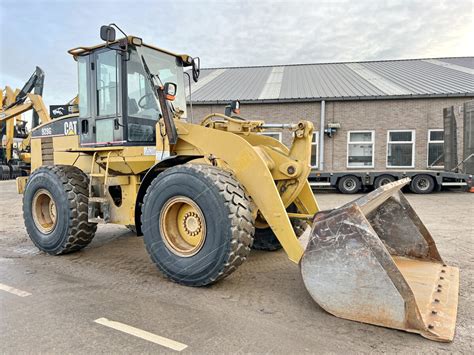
108 124
100 98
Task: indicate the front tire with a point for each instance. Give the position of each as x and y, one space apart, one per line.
55 206
197 224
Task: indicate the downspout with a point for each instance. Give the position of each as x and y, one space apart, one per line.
321 135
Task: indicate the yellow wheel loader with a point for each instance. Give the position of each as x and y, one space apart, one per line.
202 194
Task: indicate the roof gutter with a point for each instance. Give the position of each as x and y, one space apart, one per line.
341 98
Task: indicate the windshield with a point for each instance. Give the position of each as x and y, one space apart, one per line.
169 69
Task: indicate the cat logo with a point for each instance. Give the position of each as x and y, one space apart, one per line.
70 128
58 111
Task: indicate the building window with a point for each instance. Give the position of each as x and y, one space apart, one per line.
360 149
315 150
435 148
275 135
400 149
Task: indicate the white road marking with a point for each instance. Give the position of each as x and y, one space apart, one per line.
14 291
171 344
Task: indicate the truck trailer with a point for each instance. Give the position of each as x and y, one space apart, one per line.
422 181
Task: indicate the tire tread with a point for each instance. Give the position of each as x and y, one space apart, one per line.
75 184
240 207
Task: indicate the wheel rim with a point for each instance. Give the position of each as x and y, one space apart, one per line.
260 222
423 184
183 226
44 211
349 184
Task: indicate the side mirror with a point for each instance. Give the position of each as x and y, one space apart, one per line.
233 107
170 90
196 63
107 33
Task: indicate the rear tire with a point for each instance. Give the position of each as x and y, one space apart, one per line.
422 184
349 184
55 205
201 202
383 180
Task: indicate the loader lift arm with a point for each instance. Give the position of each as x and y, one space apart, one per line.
282 172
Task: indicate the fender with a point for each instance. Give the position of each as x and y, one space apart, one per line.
150 175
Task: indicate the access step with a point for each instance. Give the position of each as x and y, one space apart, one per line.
98 210
98 200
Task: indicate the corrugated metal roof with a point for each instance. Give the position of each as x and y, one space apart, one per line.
467 62
386 79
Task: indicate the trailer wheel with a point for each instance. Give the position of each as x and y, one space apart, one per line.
383 180
422 184
197 224
349 184
55 205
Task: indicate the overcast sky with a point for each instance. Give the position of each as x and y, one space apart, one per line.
229 33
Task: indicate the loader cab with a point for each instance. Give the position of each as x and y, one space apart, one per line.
117 105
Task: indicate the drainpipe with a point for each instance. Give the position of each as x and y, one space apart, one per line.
321 135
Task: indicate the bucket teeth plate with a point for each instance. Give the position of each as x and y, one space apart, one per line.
374 261
435 287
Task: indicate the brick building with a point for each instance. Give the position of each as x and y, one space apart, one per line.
389 113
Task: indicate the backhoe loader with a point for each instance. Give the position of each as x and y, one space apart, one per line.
202 194
14 136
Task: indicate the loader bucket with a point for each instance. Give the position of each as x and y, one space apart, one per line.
374 261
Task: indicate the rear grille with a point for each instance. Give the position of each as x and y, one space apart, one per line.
47 151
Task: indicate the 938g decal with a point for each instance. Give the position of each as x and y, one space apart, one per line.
58 127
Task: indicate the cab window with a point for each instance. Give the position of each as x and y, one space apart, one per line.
83 80
142 108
